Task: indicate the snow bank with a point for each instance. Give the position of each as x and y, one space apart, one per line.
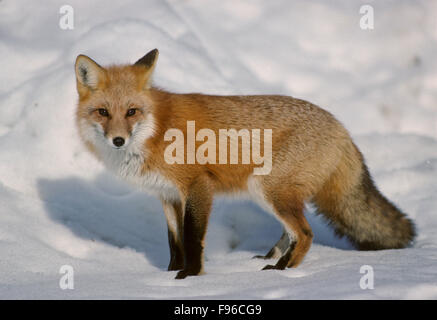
58 206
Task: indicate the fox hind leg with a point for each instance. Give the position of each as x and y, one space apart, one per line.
279 248
290 213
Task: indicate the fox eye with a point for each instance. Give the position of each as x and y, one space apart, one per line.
103 112
131 112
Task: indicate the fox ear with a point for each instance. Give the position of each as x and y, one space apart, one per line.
148 62
88 73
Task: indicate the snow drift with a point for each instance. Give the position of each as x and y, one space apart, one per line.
58 206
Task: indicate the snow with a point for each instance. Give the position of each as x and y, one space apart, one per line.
59 206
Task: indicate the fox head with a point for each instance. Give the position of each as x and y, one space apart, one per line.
115 108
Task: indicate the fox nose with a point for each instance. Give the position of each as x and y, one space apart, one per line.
118 141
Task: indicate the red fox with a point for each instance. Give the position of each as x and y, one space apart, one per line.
129 125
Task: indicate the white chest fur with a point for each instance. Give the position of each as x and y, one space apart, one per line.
128 165
128 161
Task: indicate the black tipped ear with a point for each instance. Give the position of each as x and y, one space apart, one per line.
148 62
88 73
149 59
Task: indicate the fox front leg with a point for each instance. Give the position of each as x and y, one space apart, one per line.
197 209
174 216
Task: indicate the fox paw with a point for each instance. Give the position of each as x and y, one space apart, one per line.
260 256
186 272
273 267
269 267
174 266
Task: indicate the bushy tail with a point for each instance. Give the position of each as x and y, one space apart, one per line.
356 209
